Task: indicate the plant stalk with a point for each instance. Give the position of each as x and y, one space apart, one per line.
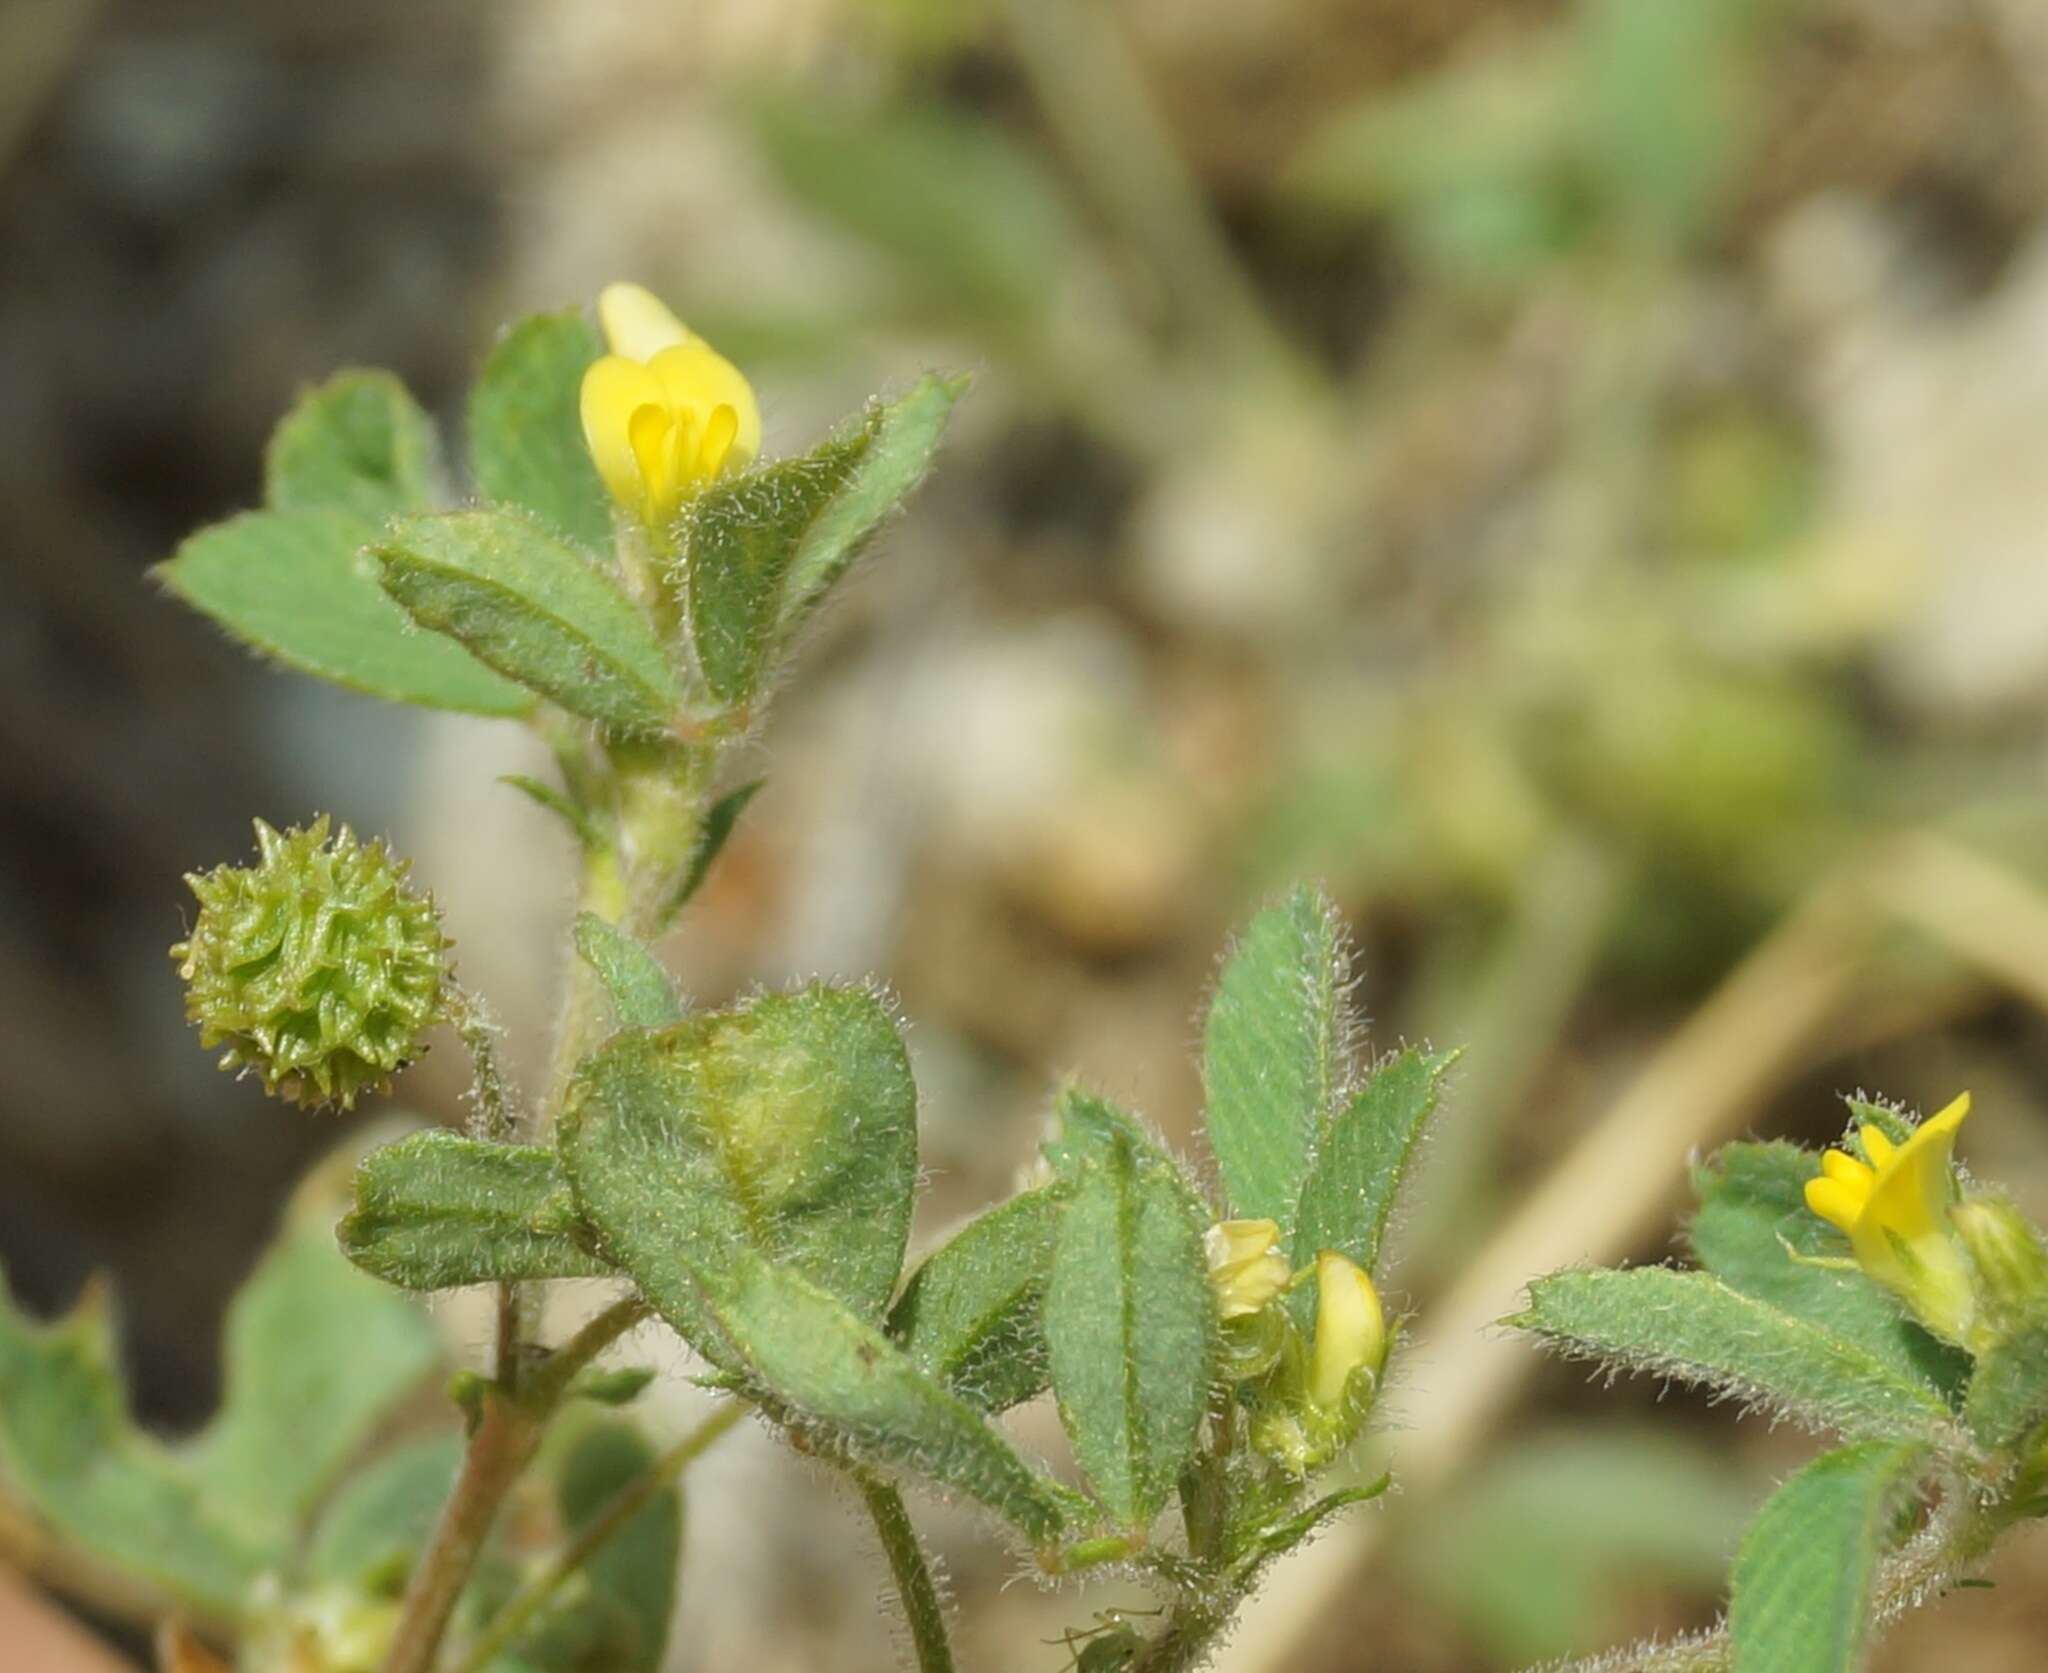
499 1450
1185 1641
619 1510
498 1118
510 1428
915 1588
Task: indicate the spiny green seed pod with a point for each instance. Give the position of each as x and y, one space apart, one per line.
317 967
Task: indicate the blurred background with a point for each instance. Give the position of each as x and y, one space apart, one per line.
1569 474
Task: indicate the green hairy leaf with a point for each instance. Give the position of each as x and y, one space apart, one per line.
788 1126
718 826
1130 1325
317 1354
435 1210
640 989
1291 1531
535 610
617 1622
831 1369
791 1342
1692 1327
70 1452
2008 1396
1802 1583
581 825
1753 1221
763 548
1272 1053
359 444
1091 1129
376 1524
1348 1196
970 1314
741 537
317 1357
290 585
902 437
526 443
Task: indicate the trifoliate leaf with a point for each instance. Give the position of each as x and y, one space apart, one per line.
358 444
290 585
534 609
526 446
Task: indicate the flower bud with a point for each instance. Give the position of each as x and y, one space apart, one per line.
318 966
1246 1268
2006 1251
1351 1331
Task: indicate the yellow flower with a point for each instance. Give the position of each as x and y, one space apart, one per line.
1894 1209
664 412
1351 1330
1246 1268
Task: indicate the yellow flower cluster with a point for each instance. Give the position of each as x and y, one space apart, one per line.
1316 1393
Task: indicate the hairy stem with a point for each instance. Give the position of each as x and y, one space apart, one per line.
914 1584
499 1449
592 1537
599 1333
503 1442
660 794
1186 1640
497 1118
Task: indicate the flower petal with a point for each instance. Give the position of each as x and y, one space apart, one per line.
614 390
1840 1166
656 439
1914 1187
1835 1202
719 430
637 323
697 376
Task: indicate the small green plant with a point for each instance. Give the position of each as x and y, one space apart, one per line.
1869 1294
627 578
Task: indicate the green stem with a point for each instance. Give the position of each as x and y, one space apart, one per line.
497 1119
1186 1639
914 1585
659 793
499 1449
597 1334
592 1537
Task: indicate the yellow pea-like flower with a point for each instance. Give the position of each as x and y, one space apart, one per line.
664 413
1894 1209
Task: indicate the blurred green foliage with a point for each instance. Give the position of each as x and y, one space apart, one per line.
1536 1555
